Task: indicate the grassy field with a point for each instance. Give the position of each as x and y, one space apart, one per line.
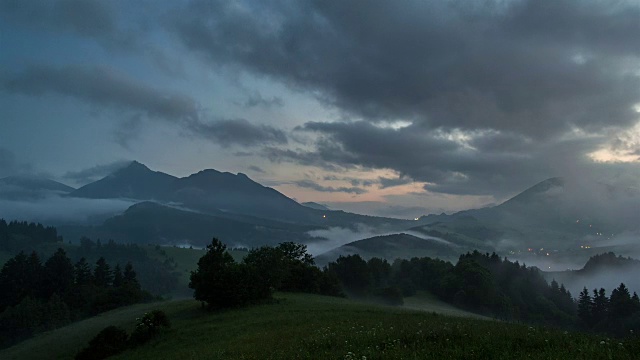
65 342
316 327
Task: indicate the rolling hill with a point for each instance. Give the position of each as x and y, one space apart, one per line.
391 247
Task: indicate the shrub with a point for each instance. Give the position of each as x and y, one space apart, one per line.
148 326
110 341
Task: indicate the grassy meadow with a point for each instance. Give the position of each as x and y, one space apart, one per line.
300 326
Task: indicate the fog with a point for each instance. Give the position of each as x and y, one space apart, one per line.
59 210
337 236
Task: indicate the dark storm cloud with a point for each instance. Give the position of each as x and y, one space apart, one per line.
317 187
478 166
229 132
537 67
491 88
94 173
107 88
391 182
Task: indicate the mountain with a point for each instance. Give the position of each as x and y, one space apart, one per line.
135 181
394 246
30 187
557 213
212 190
314 205
153 223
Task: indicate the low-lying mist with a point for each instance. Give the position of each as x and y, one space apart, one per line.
337 236
59 210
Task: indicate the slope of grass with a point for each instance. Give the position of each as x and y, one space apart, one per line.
297 326
65 342
425 301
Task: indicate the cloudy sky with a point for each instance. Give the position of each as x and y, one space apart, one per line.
382 107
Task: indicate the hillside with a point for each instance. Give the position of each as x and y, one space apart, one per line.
316 327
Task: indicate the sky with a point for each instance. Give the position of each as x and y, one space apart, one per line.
379 107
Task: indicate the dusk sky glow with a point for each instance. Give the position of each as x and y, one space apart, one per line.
378 107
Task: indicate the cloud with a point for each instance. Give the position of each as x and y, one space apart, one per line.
508 66
228 132
317 187
94 173
87 18
256 169
256 99
391 182
497 95
9 164
110 89
62 210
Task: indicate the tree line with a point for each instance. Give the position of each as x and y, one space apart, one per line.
618 313
221 282
14 235
36 296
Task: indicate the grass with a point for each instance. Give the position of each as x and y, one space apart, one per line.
65 342
425 301
298 326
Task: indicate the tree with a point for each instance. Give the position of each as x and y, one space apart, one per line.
20 277
82 272
118 279
353 273
102 275
600 306
585 304
59 274
620 303
221 283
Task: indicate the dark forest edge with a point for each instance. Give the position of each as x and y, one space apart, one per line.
481 283
64 290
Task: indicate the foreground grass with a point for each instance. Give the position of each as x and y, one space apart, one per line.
315 327
65 342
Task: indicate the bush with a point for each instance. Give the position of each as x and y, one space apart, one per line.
110 341
148 326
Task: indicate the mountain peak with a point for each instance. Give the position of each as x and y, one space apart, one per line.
135 166
537 191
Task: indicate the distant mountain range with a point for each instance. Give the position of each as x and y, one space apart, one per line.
554 213
212 191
